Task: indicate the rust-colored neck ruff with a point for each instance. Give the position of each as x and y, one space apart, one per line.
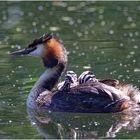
55 53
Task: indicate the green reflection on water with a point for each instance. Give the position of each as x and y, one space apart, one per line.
100 36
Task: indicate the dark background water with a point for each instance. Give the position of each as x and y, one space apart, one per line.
99 36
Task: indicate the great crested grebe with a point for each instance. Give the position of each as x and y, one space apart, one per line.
87 97
69 81
127 89
89 76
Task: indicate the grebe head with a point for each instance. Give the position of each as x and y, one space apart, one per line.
70 81
71 76
48 48
87 76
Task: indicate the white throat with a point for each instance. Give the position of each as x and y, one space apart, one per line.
38 51
37 88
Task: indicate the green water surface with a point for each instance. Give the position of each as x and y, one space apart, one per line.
103 37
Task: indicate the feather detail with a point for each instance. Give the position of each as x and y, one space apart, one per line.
129 90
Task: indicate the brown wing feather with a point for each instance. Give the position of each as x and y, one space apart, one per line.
88 97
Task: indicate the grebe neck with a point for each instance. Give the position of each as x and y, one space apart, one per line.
46 82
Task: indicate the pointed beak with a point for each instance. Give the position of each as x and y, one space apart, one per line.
23 51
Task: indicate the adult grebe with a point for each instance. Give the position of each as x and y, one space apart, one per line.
87 97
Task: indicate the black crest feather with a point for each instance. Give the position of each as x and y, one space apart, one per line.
40 40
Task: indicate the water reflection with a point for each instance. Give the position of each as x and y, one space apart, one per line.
83 126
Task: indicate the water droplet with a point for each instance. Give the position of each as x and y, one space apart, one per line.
73 51
35 30
30 14
127 71
83 125
79 34
130 34
121 44
71 22
33 123
20 67
136 33
132 53
66 18
138 7
86 67
133 25
13 71
10 121
120 76
111 32
91 9
95 123
101 11
121 64
59 3
18 46
102 52
71 8
43 26
100 16
106 69
40 8
34 23
103 23
136 70
12 46
54 28
79 21
125 66
129 19
18 29
4 17
76 128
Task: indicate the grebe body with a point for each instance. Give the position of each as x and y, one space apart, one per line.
86 97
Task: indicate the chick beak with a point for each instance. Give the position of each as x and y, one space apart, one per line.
23 51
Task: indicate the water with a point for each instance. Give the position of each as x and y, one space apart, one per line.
99 36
